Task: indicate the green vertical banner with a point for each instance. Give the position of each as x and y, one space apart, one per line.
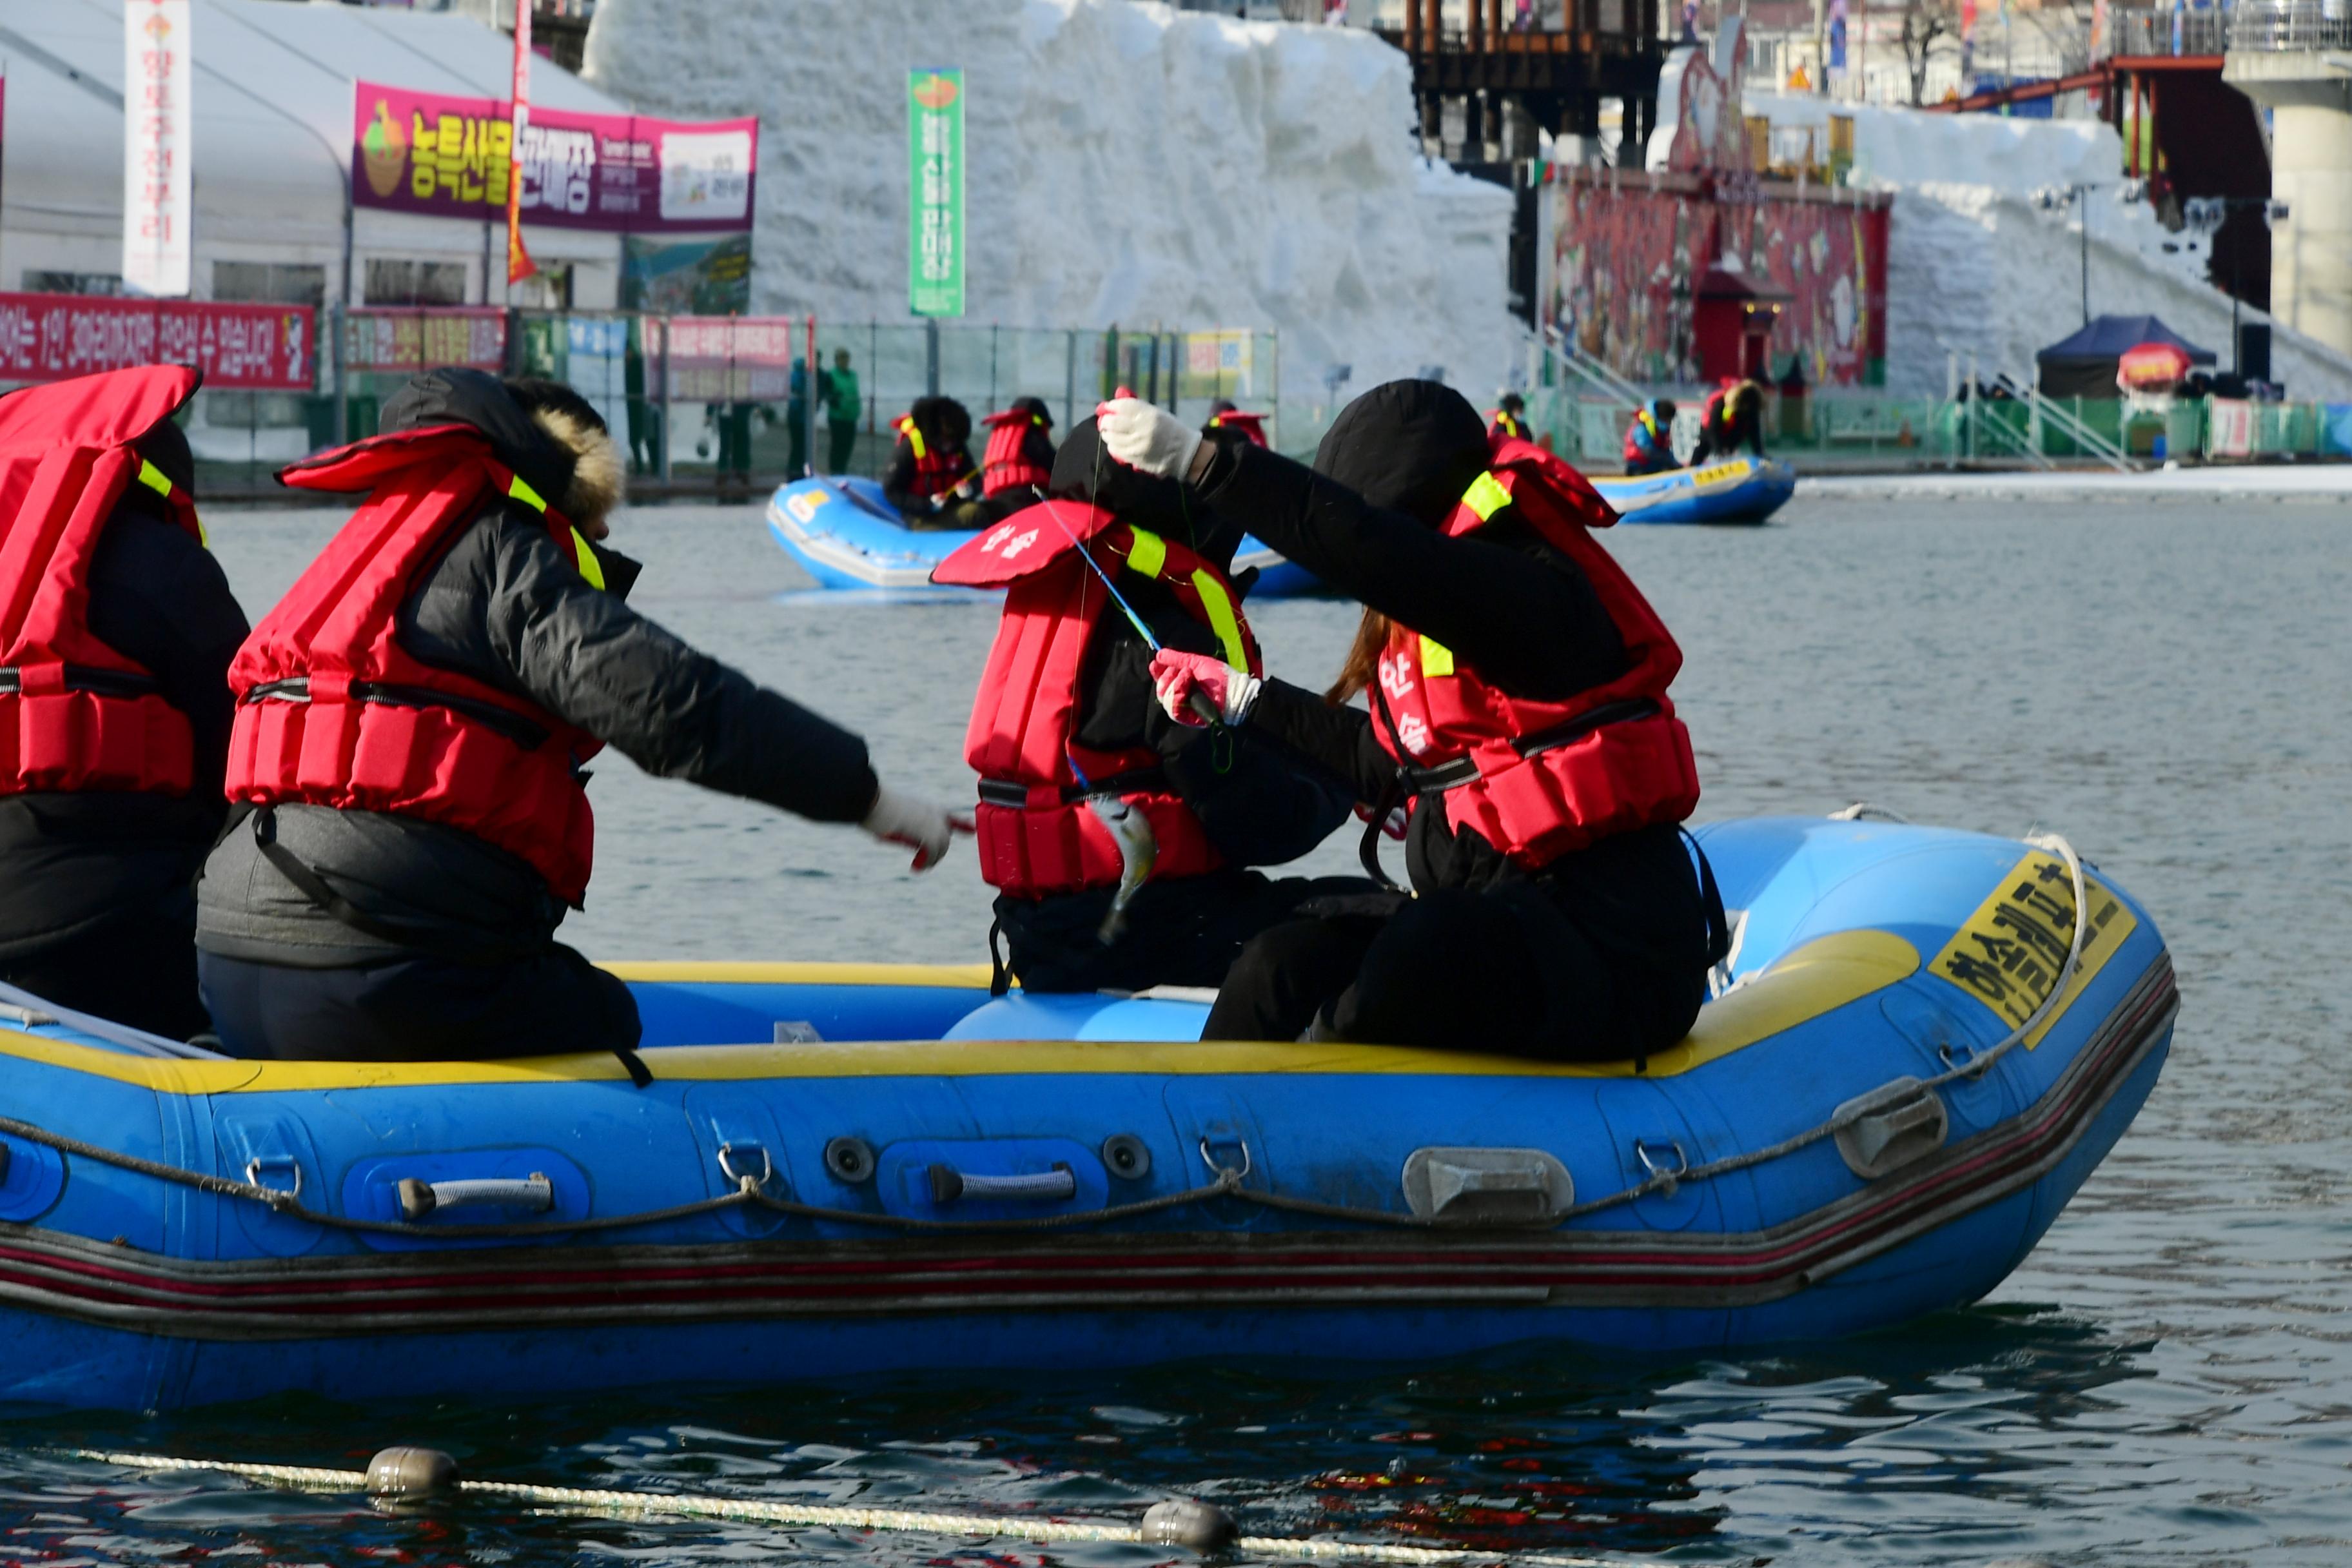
935 191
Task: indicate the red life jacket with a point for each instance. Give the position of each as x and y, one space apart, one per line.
1660 442
331 710
1251 426
1538 780
1037 834
936 472
74 713
1009 464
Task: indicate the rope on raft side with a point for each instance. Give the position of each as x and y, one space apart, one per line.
1228 1183
594 1499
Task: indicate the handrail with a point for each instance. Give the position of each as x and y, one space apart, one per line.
2069 425
1570 358
2020 443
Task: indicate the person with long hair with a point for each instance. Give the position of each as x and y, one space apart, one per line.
1519 717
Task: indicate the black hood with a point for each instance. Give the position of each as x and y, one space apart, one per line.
1411 447
476 397
1036 408
1082 471
943 421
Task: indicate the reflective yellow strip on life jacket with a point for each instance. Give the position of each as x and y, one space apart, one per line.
1222 619
1436 659
914 440
153 478
1148 554
583 556
1487 496
592 572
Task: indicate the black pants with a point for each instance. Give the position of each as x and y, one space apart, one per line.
1184 931
138 969
841 438
1500 969
409 1009
1654 463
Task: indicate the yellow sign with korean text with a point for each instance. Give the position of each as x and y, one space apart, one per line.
2010 953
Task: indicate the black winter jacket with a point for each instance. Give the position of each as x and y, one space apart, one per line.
70 861
505 606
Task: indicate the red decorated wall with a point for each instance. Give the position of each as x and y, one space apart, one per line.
1626 254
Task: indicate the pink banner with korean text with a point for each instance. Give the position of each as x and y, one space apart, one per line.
447 156
245 348
725 359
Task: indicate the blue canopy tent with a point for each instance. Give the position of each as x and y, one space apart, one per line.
2083 365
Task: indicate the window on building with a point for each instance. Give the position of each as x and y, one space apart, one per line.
40 283
270 283
392 280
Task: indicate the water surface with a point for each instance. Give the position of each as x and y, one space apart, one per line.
2166 1380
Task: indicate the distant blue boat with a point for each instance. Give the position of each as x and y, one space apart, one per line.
1743 490
846 535
846 1170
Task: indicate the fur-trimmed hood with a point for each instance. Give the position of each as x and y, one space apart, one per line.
577 467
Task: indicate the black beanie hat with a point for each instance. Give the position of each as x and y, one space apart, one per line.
1413 447
166 446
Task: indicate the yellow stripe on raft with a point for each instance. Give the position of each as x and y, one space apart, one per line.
1818 978
691 971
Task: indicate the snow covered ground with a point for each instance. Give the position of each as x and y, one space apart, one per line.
1129 164
2330 483
1976 263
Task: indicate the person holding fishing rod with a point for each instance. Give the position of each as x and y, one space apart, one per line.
1519 708
932 479
1120 841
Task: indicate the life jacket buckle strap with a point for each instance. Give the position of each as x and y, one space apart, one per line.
1465 769
36 681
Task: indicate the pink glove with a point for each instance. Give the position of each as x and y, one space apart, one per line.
1195 689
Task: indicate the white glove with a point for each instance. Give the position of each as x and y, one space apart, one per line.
915 823
1143 437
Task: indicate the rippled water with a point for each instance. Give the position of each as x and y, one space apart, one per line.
2166 1380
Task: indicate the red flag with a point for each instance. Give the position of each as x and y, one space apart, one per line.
519 263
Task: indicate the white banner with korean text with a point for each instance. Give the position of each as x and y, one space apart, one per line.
156 148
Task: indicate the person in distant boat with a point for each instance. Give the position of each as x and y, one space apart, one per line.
1650 438
1734 415
1019 462
932 479
1508 420
414 719
1518 681
1086 784
118 626
1224 415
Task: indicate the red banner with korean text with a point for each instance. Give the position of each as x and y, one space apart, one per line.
402 338
446 156
240 348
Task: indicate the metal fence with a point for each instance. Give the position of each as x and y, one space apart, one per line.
2281 27
724 402
1829 431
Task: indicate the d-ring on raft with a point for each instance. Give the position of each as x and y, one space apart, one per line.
1925 1042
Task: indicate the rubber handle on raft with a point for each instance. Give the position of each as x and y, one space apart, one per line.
950 1185
533 1193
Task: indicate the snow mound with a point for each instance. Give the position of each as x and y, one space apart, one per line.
1128 165
1978 263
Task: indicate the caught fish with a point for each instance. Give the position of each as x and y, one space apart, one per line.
1139 846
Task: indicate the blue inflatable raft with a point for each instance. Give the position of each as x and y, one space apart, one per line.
846 535
1923 1044
1742 489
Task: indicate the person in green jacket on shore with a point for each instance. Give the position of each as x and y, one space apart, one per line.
844 406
